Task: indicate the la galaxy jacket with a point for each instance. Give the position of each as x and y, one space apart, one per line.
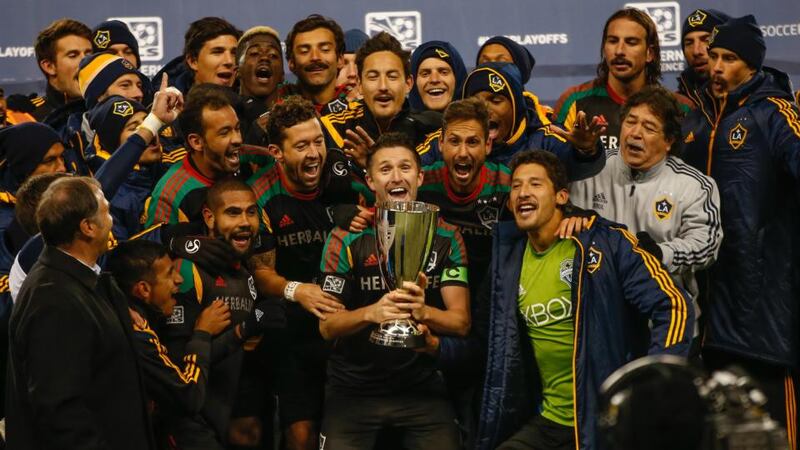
616 288
749 142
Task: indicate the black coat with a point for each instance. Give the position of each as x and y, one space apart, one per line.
73 379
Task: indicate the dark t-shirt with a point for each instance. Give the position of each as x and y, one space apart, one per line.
299 223
351 272
474 214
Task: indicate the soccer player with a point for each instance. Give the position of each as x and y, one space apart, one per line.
371 388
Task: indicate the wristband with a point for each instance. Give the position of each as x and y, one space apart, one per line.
152 124
288 291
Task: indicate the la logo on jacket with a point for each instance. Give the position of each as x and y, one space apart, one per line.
662 208
737 136
593 259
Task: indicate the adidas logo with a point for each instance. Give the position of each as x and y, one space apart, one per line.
285 221
599 201
220 282
372 260
259 315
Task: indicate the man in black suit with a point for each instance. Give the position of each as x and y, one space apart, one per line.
73 380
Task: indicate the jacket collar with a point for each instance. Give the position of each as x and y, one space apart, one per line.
372 127
634 175
59 260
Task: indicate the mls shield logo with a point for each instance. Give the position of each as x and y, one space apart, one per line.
667 17
405 26
593 260
713 36
333 284
663 208
102 39
496 82
697 18
122 109
737 136
149 33
177 316
441 53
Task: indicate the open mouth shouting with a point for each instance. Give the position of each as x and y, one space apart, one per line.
399 193
263 73
225 77
241 240
232 158
311 170
526 209
436 92
494 128
463 171
384 100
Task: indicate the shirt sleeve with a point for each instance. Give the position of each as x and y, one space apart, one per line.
336 266
649 289
182 383
455 270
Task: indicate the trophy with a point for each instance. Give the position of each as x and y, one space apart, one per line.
404 235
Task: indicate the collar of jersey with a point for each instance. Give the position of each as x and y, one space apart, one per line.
461 199
298 195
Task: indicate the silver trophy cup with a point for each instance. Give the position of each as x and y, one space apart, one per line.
404 235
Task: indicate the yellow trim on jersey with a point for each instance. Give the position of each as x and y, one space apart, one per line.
190 374
425 146
789 113
145 231
337 138
677 326
572 116
520 131
7 197
198 283
575 341
541 110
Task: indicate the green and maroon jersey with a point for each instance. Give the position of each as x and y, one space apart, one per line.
299 222
474 214
351 272
178 196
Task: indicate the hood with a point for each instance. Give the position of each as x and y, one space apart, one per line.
179 75
504 79
453 58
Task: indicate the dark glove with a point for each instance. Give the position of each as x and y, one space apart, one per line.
261 319
215 256
343 214
21 103
646 242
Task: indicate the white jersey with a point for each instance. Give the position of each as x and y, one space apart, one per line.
673 202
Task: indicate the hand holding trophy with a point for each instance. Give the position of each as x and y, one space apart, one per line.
404 232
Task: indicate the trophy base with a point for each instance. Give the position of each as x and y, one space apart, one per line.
398 334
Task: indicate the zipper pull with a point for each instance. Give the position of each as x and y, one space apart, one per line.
633 188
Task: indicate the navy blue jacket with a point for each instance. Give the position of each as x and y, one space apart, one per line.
529 131
749 142
616 288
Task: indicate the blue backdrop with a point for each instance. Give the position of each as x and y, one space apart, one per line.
564 36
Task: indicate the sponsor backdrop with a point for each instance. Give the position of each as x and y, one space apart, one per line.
564 36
